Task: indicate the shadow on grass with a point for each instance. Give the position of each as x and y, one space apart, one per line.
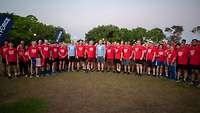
28 105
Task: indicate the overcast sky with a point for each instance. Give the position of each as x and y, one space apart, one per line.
79 16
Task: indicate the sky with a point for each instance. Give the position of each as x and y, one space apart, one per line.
80 16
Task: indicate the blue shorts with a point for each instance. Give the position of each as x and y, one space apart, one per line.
126 62
100 59
159 63
33 60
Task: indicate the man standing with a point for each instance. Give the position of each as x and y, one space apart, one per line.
80 53
100 55
71 56
138 56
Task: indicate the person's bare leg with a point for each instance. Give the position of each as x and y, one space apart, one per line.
185 74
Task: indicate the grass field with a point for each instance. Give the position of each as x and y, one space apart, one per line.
97 92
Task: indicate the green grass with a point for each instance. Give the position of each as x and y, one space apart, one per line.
28 105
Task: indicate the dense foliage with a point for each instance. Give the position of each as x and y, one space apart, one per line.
114 33
29 28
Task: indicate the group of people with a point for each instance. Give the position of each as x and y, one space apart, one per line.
177 61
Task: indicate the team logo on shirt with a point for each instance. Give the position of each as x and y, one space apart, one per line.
160 53
11 52
149 50
62 50
55 49
80 48
46 48
125 50
91 49
180 53
109 50
192 52
33 50
136 49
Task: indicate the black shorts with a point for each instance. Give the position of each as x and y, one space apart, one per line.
12 63
47 61
182 66
137 61
3 60
195 67
55 60
80 59
62 59
149 63
91 59
72 58
110 61
117 61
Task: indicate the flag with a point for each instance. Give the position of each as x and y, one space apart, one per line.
5 26
59 35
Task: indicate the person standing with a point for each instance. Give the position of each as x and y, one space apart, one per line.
71 56
12 59
100 55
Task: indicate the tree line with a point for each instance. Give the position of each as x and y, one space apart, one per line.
30 28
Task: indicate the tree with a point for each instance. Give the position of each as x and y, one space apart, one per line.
176 32
155 35
24 28
108 32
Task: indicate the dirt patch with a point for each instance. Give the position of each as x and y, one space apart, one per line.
80 92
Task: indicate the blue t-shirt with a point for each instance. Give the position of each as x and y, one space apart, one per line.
71 50
100 50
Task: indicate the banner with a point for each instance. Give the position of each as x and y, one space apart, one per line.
59 36
5 26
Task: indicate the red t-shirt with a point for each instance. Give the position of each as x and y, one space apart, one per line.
20 51
3 51
194 55
138 50
11 55
127 51
182 55
39 46
62 52
110 52
26 56
118 51
33 51
150 53
171 56
160 55
80 49
54 50
46 50
91 50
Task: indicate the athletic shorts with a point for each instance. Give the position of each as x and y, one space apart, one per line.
182 66
117 61
47 61
110 61
159 63
126 62
91 59
80 59
195 67
12 63
165 64
72 58
137 61
149 63
55 60
100 59
3 60
33 60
